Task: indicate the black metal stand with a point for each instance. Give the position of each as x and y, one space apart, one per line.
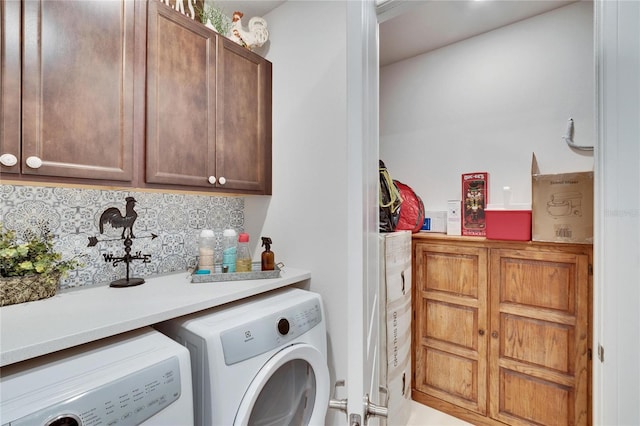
127 258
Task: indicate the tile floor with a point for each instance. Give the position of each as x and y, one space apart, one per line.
421 415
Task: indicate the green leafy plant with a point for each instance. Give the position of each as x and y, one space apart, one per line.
34 256
220 21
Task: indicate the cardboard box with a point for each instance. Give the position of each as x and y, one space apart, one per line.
508 224
562 206
475 188
435 222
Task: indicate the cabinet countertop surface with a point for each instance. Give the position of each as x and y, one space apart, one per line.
78 316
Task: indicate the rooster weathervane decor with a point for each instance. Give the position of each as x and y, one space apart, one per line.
114 217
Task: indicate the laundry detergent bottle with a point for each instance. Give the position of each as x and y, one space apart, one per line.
243 259
229 250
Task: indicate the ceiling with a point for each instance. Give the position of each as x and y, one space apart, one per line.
412 27
424 25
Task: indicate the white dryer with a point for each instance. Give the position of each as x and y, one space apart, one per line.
141 377
260 361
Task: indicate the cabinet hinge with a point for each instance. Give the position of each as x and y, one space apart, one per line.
589 354
600 353
590 269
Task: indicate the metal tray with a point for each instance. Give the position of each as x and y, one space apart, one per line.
256 274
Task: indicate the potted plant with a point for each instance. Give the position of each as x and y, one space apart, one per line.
215 18
30 270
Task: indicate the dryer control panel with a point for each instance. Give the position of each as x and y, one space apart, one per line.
259 336
129 400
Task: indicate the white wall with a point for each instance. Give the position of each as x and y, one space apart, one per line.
306 215
487 103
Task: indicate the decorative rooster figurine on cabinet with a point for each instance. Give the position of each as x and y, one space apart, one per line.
113 217
256 36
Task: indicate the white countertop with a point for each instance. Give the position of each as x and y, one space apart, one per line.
78 316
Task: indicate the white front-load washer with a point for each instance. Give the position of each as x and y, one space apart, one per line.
140 377
259 361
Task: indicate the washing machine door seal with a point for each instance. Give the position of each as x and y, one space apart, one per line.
280 382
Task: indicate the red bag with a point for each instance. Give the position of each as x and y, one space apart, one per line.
411 209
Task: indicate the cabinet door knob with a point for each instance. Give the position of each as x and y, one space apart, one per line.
8 160
34 162
222 180
481 332
494 334
212 180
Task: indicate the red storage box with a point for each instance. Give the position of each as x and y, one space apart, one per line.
508 225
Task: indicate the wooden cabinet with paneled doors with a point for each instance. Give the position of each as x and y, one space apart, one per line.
77 89
501 331
208 108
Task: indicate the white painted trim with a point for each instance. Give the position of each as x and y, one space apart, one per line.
616 381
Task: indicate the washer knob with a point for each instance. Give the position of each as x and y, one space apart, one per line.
283 326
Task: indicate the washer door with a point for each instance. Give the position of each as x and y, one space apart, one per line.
292 388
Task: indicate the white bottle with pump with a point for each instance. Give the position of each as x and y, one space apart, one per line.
206 245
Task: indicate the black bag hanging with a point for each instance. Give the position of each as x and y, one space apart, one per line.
389 200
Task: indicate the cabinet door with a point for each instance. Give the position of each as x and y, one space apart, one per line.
450 304
181 99
243 157
539 337
10 85
77 110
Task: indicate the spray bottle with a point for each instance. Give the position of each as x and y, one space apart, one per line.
268 261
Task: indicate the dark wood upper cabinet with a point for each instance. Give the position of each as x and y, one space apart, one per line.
130 93
181 95
78 78
10 86
208 108
244 122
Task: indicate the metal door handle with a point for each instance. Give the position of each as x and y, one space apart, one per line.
338 404
372 409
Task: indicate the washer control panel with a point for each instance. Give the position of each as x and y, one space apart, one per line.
259 336
129 400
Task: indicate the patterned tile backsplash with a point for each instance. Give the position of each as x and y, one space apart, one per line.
73 215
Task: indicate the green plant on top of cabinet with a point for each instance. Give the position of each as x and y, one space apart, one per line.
77 89
208 108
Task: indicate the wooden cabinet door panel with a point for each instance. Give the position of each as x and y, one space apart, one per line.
539 328
77 110
449 377
243 156
519 335
181 93
10 82
450 303
524 401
